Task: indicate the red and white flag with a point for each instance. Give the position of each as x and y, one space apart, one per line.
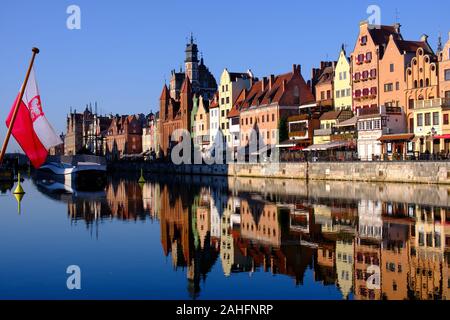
31 129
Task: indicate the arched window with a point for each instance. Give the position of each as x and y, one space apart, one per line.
415 84
421 83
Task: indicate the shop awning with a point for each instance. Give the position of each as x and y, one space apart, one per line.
443 136
328 146
297 148
397 137
291 143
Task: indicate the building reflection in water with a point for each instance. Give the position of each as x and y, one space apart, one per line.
342 232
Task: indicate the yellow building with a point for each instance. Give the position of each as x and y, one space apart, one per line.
431 125
231 85
344 266
343 99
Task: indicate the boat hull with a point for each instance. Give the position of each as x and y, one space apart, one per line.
86 180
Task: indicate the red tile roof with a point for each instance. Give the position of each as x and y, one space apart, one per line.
381 34
274 89
412 46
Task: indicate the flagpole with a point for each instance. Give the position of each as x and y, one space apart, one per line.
16 108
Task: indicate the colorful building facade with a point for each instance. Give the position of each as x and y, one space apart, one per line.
343 99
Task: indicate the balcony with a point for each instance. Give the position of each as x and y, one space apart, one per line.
432 103
298 134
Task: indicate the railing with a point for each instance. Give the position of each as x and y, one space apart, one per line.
323 132
301 134
432 103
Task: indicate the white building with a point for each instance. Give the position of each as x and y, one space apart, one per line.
373 123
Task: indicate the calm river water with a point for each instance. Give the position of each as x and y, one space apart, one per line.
219 238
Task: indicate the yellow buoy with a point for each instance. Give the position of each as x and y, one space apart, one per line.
19 190
142 179
19 198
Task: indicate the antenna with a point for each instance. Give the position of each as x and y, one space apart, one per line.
397 15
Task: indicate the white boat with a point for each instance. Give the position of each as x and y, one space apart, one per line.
82 172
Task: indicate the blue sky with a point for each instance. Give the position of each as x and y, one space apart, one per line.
125 49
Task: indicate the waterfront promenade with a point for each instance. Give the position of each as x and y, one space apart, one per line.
429 172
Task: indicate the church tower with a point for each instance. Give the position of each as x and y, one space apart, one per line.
191 62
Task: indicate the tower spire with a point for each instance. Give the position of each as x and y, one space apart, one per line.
440 47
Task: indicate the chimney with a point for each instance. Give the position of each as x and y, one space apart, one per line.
424 38
263 85
397 27
271 81
299 69
294 68
283 85
363 24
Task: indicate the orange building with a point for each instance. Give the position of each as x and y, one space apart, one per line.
325 85
444 70
270 100
365 62
422 80
399 55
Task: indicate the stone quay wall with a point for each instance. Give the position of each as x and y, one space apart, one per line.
404 172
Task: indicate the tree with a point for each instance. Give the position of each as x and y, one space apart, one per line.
283 129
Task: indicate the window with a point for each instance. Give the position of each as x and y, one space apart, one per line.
397 86
420 120
360 58
348 92
435 118
377 125
373 73
342 93
388 87
340 75
328 94
228 99
222 100
447 75
427 119
273 117
447 94
223 113
364 40
446 118
338 94
368 56
344 75
322 95
391 67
